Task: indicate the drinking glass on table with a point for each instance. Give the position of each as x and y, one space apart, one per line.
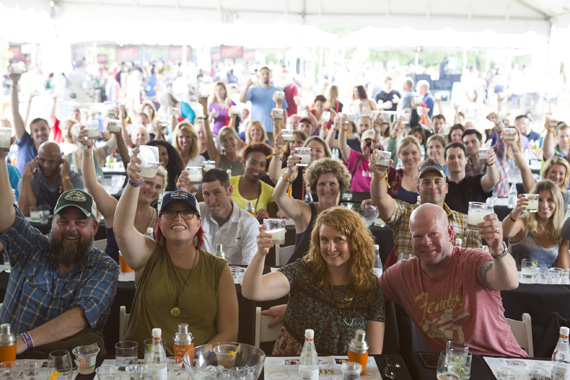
126 353
477 212
445 370
60 361
505 373
529 269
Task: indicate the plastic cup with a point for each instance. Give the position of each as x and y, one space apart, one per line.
174 365
60 361
126 353
226 354
382 158
476 213
350 370
532 205
209 165
276 228
287 135
85 358
5 135
93 128
106 372
304 153
509 134
483 154
149 160
195 173
115 125
278 113
528 270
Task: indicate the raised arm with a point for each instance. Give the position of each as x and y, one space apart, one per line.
27 198
548 144
342 144
514 227
102 152
501 272
8 212
291 207
256 286
135 247
379 190
19 126
243 95
492 177
275 169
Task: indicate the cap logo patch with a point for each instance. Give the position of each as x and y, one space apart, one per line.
75 196
179 195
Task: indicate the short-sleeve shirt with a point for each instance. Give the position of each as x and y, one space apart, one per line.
399 222
467 190
26 152
38 292
262 103
264 199
311 307
47 194
454 306
362 176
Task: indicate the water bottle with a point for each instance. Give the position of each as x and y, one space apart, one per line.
7 344
459 242
358 350
513 196
156 357
561 356
220 252
377 262
309 362
183 340
150 232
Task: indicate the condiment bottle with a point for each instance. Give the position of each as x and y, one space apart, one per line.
358 350
7 344
249 208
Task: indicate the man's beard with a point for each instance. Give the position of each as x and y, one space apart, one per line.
71 254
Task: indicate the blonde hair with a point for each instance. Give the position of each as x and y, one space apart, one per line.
332 96
360 243
556 220
557 161
195 147
250 125
140 128
407 141
327 165
439 138
164 174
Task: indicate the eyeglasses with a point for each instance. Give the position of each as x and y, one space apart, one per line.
171 214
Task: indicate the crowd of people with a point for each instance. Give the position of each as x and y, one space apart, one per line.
61 288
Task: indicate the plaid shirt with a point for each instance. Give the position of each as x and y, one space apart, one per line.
37 292
400 225
501 189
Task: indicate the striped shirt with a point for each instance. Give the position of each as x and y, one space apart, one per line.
400 225
37 292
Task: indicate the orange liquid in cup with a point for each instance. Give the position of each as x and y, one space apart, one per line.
8 353
124 267
358 358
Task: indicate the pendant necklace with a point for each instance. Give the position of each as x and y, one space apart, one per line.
175 311
342 304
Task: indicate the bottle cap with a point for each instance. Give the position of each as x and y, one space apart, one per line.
309 333
156 332
563 330
5 329
183 328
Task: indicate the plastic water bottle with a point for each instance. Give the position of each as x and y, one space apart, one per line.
309 362
513 196
561 356
156 358
150 232
378 262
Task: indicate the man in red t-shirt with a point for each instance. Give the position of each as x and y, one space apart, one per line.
452 293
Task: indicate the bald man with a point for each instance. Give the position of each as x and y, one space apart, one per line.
452 293
45 178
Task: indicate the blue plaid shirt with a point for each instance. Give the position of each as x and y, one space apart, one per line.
37 292
501 189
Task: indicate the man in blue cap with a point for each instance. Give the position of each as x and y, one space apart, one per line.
61 288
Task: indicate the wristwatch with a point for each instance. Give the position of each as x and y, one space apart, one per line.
502 254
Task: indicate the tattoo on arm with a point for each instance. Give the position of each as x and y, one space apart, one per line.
485 268
106 148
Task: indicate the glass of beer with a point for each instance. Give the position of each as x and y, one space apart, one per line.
279 96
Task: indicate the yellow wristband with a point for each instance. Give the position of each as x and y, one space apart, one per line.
66 178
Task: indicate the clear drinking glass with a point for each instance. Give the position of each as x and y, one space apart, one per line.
126 353
477 211
276 228
446 371
60 361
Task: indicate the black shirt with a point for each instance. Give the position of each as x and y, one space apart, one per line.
467 190
388 97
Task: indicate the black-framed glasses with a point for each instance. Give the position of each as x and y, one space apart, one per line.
171 214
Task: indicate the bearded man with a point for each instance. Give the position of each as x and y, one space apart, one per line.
61 289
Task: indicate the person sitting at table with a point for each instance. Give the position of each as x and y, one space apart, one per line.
327 178
432 188
146 215
403 182
186 142
170 160
357 163
332 289
555 169
319 150
452 293
60 289
463 189
45 178
249 187
222 220
174 274
537 235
